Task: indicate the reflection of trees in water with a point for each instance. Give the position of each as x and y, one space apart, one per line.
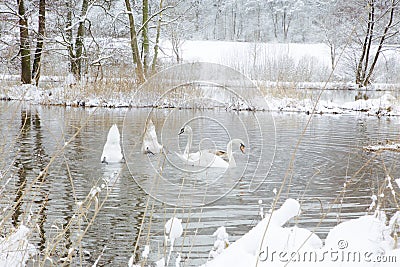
30 162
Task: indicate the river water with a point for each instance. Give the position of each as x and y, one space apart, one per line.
141 194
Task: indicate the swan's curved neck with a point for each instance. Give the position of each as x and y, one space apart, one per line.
189 142
231 159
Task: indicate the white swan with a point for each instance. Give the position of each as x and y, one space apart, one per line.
187 129
150 143
209 157
219 161
112 149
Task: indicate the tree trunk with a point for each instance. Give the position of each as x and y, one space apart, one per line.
154 63
68 33
76 61
145 36
258 31
275 21
286 19
360 72
234 11
381 42
371 34
134 45
274 18
39 44
333 55
24 44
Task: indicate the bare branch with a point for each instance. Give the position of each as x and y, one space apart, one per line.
152 16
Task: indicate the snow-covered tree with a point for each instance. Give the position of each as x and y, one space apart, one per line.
380 25
282 14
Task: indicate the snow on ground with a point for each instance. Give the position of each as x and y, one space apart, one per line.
241 56
15 249
223 52
388 145
386 105
365 241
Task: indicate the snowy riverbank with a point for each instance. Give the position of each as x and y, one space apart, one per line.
284 72
386 105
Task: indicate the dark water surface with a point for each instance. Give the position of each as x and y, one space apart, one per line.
330 153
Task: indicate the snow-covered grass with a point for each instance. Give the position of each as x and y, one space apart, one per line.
388 145
109 94
366 241
386 105
285 74
15 249
280 71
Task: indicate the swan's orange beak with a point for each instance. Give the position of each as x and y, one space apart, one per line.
242 147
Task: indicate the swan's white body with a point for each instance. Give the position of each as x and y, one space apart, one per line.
112 149
150 143
209 157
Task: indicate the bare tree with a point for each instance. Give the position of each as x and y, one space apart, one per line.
283 12
77 53
145 35
140 76
39 43
24 44
379 13
329 19
158 34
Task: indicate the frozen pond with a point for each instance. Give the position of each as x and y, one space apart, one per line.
329 153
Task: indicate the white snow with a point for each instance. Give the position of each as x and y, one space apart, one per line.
250 54
160 263
220 243
70 79
367 238
15 249
394 223
368 233
241 56
112 152
146 252
178 260
385 105
389 146
397 182
131 260
243 252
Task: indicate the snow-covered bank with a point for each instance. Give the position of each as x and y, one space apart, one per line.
386 105
66 96
277 68
15 249
365 241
